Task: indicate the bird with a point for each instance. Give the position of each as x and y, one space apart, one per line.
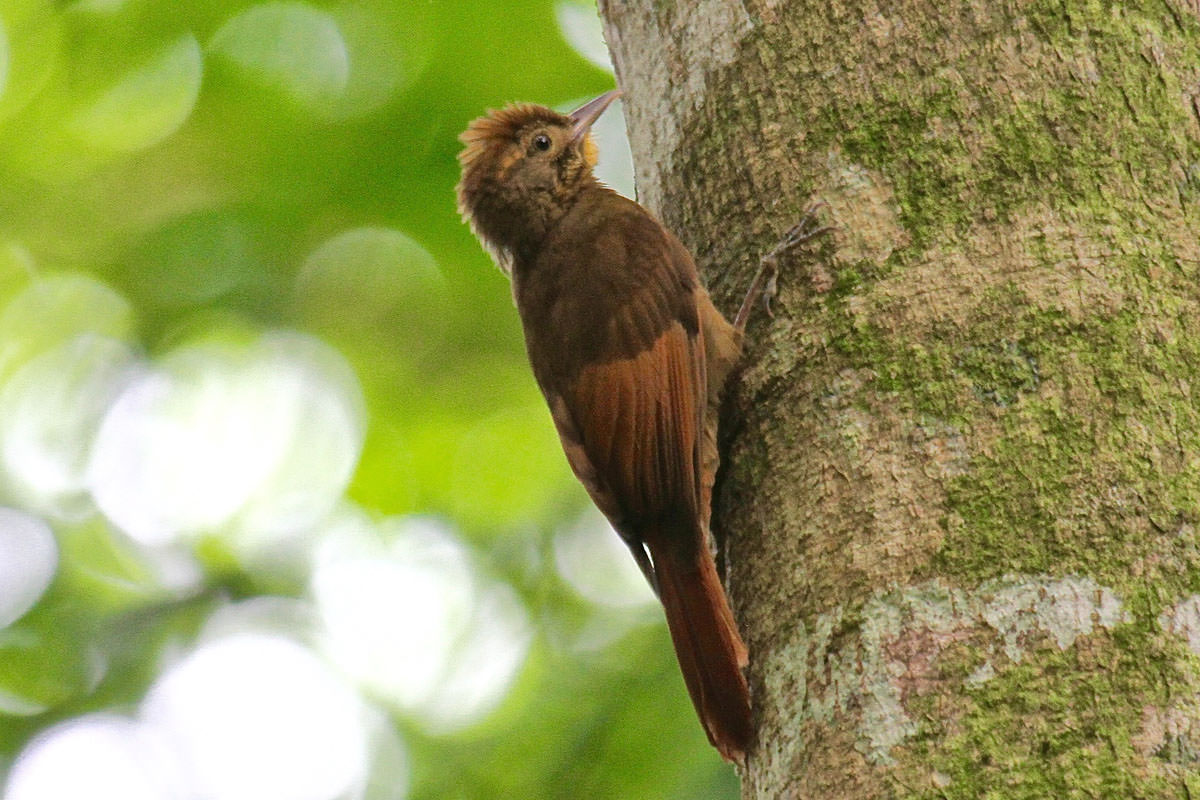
631 356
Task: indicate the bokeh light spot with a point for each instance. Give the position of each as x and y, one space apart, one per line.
378 294
382 60
484 661
99 756
293 47
377 272
592 558
194 259
258 717
408 616
52 310
50 410
615 165
268 615
33 36
268 432
28 560
314 394
580 24
148 104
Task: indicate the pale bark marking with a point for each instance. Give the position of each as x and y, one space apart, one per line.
903 632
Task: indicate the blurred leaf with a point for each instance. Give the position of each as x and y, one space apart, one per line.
41 662
104 567
53 655
16 269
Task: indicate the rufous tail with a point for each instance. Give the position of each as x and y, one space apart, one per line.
710 651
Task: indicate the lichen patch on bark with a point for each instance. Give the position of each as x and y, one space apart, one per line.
1183 619
1170 736
865 664
863 207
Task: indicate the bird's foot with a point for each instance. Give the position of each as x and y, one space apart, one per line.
766 280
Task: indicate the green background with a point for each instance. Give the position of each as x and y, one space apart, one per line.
178 164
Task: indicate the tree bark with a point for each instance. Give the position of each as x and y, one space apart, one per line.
961 491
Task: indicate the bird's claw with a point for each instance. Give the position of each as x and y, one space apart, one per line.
768 292
808 227
766 282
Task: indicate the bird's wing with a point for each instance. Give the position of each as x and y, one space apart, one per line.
631 414
630 431
638 421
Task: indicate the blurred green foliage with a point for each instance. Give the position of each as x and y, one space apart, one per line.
176 170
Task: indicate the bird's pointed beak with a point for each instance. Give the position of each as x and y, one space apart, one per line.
583 117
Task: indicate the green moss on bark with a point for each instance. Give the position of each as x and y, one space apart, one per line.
958 156
1062 723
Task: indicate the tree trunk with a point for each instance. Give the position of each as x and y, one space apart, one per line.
961 492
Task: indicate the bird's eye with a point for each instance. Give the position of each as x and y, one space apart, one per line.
541 142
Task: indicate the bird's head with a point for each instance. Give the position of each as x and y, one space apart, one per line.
522 167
